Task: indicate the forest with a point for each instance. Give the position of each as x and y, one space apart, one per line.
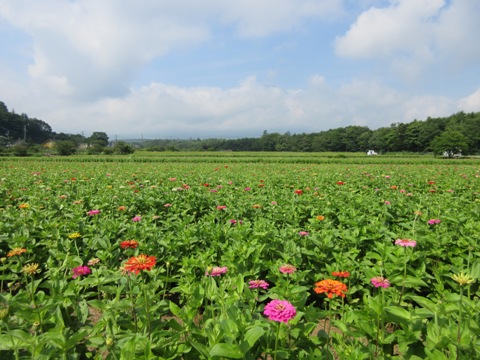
458 133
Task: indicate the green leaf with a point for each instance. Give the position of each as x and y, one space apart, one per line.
231 351
397 314
251 337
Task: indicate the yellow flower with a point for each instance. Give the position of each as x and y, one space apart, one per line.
16 251
74 235
463 279
256 206
30 269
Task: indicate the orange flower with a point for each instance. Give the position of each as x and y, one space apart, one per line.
129 244
23 206
16 251
331 287
342 274
141 262
320 217
256 206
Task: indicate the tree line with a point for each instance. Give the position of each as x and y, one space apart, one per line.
459 132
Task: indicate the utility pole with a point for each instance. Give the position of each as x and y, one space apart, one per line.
25 133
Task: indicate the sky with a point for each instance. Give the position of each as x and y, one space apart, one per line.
230 69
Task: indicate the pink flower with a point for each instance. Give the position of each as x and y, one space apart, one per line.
247 189
387 202
280 310
380 281
303 233
405 242
216 271
254 284
137 218
93 212
221 207
434 221
167 205
80 271
287 269
273 203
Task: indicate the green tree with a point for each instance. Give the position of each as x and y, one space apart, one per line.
66 147
121 147
98 138
449 142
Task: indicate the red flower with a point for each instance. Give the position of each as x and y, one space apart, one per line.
298 192
341 274
340 183
129 244
141 262
331 287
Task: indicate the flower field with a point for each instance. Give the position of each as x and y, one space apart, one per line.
230 256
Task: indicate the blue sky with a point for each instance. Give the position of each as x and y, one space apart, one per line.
216 68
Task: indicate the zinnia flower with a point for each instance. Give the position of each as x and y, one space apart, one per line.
341 274
93 212
129 244
221 207
257 206
320 217
254 284
122 208
74 235
136 218
331 287
287 269
23 206
80 271
280 310
340 183
138 263
405 242
303 233
434 221
298 192
93 261
463 279
216 271
380 281
30 269
16 251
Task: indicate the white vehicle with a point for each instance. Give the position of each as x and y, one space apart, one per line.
371 152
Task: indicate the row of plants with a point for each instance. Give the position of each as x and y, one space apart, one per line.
123 260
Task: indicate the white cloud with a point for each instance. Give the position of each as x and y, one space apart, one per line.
412 34
471 103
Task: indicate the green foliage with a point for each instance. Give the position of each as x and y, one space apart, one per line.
65 147
450 142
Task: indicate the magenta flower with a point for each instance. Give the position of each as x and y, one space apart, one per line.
434 221
80 271
216 271
287 269
137 218
387 202
247 189
93 212
280 310
254 284
303 233
380 281
405 242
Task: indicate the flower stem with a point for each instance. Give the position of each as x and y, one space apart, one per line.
276 341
